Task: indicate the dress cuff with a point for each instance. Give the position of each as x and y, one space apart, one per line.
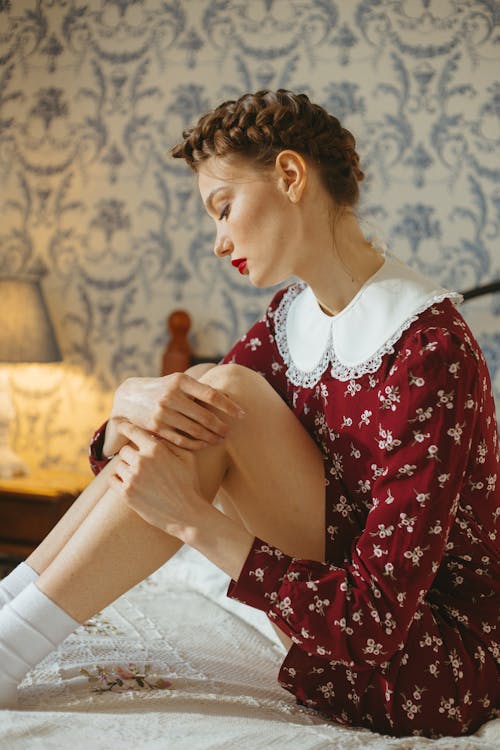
261 577
96 459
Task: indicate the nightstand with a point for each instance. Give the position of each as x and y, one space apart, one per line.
29 508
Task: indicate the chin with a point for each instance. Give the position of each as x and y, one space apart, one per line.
267 280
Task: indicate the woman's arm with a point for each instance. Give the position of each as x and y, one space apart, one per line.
177 407
360 613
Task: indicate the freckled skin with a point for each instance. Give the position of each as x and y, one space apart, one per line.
280 220
253 220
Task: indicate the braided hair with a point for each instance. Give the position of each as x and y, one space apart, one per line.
258 126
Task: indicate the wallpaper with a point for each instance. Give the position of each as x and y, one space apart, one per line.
94 93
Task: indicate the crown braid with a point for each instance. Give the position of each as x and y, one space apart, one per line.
258 126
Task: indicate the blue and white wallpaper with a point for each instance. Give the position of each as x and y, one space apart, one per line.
93 93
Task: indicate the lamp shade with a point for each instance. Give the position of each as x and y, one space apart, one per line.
26 333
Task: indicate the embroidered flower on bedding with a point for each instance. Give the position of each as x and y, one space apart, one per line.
120 679
100 625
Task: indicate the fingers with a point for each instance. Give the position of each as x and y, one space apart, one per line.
211 396
188 414
180 440
145 441
196 421
123 468
129 458
147 444
128 454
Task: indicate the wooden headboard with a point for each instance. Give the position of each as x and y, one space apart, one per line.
178 354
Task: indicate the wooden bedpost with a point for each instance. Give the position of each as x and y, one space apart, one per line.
177 354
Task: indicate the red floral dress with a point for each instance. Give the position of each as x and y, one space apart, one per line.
398 630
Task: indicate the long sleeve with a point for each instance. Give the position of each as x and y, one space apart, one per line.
96 459
359 613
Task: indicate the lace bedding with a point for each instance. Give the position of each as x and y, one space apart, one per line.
175 664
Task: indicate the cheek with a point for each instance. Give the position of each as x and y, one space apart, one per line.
283 228
273 221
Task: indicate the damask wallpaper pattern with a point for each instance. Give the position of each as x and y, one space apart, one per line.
92 96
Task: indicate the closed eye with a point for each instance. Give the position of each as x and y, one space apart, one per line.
225 212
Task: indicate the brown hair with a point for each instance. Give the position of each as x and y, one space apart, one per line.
258 126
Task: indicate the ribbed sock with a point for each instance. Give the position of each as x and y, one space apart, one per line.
31 626
15 582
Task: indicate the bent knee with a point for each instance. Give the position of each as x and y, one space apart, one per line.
248 388
197 371
231 377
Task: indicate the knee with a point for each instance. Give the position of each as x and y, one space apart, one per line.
232 379
197 371
248 388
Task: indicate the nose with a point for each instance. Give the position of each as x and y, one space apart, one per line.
223 246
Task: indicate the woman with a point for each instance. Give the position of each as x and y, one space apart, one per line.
357 477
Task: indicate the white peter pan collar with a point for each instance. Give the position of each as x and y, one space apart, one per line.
353 342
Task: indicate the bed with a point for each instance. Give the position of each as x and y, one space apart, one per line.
175 664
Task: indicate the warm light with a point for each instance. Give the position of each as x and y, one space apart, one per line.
26 335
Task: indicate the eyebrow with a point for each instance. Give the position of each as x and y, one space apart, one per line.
209 200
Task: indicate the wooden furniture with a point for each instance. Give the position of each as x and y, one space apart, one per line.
177 355
29 508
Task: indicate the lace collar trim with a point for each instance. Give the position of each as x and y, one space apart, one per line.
353 342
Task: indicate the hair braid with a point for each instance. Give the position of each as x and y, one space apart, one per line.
258 126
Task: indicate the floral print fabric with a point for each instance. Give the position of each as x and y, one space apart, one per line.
398 631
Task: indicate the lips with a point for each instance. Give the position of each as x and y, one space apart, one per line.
240 264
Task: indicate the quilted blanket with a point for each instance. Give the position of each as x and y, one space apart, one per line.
174 664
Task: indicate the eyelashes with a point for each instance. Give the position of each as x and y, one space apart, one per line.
225 212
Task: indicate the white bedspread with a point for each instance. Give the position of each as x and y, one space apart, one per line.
205 679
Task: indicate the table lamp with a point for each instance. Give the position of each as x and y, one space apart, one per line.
26 336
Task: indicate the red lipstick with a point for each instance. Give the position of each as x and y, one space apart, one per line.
240 264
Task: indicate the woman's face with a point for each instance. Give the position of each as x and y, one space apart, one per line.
254 219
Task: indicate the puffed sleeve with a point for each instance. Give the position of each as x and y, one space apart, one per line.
359 614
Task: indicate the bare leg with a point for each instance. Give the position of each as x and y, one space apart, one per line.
275 476
110 552
58 537
270 469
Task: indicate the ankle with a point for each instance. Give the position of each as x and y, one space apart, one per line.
31 627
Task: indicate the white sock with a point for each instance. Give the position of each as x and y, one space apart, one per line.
31 626
15 582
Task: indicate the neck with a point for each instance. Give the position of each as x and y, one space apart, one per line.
326 309
337 275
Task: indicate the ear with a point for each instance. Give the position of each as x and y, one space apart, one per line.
292 174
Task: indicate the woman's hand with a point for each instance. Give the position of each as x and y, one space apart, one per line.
158 481
176 407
